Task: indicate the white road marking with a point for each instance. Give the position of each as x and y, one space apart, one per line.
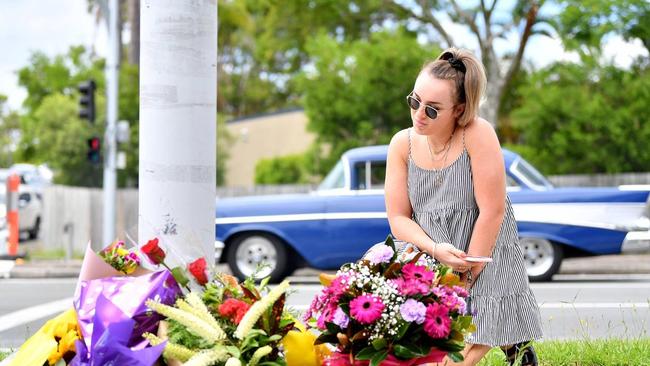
30 314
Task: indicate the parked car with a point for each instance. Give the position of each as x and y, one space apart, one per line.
30 208
339 221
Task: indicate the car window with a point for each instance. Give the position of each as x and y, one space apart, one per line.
510 182
335 179
25 197
530 175
370 174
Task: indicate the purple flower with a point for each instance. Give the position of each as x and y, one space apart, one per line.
413 310
366 309
340 318
380 254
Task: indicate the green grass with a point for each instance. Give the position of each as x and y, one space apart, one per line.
3 355
608 352
49 254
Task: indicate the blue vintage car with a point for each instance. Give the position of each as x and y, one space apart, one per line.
339 221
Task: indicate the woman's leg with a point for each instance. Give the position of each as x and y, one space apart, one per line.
525 349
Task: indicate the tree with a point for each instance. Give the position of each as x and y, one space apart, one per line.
356 94
576 119
9 124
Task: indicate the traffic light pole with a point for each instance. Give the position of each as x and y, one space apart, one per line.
110 177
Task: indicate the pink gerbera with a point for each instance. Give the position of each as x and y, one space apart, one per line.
411 271
366 309
437 322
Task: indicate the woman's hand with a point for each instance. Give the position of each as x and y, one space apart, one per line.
451 256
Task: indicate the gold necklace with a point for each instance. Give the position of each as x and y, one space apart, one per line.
444 147
439 176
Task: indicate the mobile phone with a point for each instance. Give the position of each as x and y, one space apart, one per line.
478 259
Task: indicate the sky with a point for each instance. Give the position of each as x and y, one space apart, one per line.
53 26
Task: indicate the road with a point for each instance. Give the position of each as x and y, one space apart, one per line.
572 307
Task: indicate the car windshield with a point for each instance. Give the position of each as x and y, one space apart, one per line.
335 179
530 175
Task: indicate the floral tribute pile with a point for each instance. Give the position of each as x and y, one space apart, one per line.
381 310
385 310
128 316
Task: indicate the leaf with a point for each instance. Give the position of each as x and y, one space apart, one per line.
378 357
360 335
276 314
326 338
366 353
379 343
456 356
402 330
332 328
265 281
389 241
403 352
179 276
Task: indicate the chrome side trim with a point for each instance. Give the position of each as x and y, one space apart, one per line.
218 250
636 242
301 217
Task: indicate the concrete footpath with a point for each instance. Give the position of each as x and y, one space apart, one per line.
608 264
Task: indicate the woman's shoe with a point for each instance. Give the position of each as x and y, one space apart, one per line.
527 352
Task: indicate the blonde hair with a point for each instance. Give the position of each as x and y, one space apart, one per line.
468 75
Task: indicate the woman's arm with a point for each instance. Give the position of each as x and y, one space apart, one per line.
489 179
399 209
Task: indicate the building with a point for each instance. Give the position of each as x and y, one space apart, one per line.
261 137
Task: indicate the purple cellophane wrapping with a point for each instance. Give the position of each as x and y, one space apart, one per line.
128 294
108 346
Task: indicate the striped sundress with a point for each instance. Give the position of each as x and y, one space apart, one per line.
505 308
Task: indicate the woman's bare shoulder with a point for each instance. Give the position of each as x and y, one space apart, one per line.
480 133
399 143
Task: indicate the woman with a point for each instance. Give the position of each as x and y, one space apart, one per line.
446 196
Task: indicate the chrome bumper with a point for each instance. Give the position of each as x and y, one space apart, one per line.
636 242
218 250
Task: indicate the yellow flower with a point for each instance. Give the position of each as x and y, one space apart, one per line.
299 348
122 252
43 347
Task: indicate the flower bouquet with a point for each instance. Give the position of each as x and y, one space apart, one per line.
385 310
228 324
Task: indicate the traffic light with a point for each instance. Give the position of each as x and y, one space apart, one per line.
94 150
87 100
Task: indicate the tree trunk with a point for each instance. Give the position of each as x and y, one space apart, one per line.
490 107
178 124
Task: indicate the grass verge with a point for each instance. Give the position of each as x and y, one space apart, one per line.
598 352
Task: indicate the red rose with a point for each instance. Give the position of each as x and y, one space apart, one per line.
155 254
197 269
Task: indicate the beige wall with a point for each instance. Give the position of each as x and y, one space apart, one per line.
265 136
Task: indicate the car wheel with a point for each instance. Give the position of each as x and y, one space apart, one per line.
33 233
542 258
249 251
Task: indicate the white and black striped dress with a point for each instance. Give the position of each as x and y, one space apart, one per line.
505 308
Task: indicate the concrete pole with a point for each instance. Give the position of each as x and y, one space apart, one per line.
178 122
110 178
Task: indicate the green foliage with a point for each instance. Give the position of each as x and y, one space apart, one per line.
355 94
9 127
583 24
576 119
281 170
224 141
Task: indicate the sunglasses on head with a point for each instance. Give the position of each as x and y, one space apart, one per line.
414 103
